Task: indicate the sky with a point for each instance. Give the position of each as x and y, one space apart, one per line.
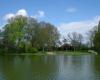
67 15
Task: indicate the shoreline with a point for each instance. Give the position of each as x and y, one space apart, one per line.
49 53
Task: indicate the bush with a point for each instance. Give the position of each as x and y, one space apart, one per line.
97 50
2 51
32 50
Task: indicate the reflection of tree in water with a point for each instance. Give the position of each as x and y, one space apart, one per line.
50 67
29 68
2 76
7 67
45 68
97 66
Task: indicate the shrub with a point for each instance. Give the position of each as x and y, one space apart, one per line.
32 50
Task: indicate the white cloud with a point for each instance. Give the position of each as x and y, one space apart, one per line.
81 26
8 16
71 9
39 14
22 12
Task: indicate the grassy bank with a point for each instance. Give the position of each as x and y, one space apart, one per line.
73 53
52 53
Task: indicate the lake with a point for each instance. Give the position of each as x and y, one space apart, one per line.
58 67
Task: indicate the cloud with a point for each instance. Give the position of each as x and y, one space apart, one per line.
23 12
39 14
8 16
71 10
80 26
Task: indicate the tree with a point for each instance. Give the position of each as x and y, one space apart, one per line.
97 38
32 29
49 35
75 39
1 41
26 34
91 35
14 32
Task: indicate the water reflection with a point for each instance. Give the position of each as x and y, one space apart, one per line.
50 67
75 68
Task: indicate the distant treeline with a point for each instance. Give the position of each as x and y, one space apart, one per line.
27 35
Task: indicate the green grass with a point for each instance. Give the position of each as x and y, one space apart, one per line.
53 53
73 53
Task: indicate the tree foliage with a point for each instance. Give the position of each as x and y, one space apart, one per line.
97 38
25 33
94 37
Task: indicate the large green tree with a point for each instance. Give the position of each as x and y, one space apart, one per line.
14 32
97 38
25 33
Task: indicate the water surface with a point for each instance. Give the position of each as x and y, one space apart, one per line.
85 67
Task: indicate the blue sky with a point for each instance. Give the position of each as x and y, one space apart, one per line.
69 15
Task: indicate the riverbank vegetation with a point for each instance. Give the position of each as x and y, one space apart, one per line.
27 35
